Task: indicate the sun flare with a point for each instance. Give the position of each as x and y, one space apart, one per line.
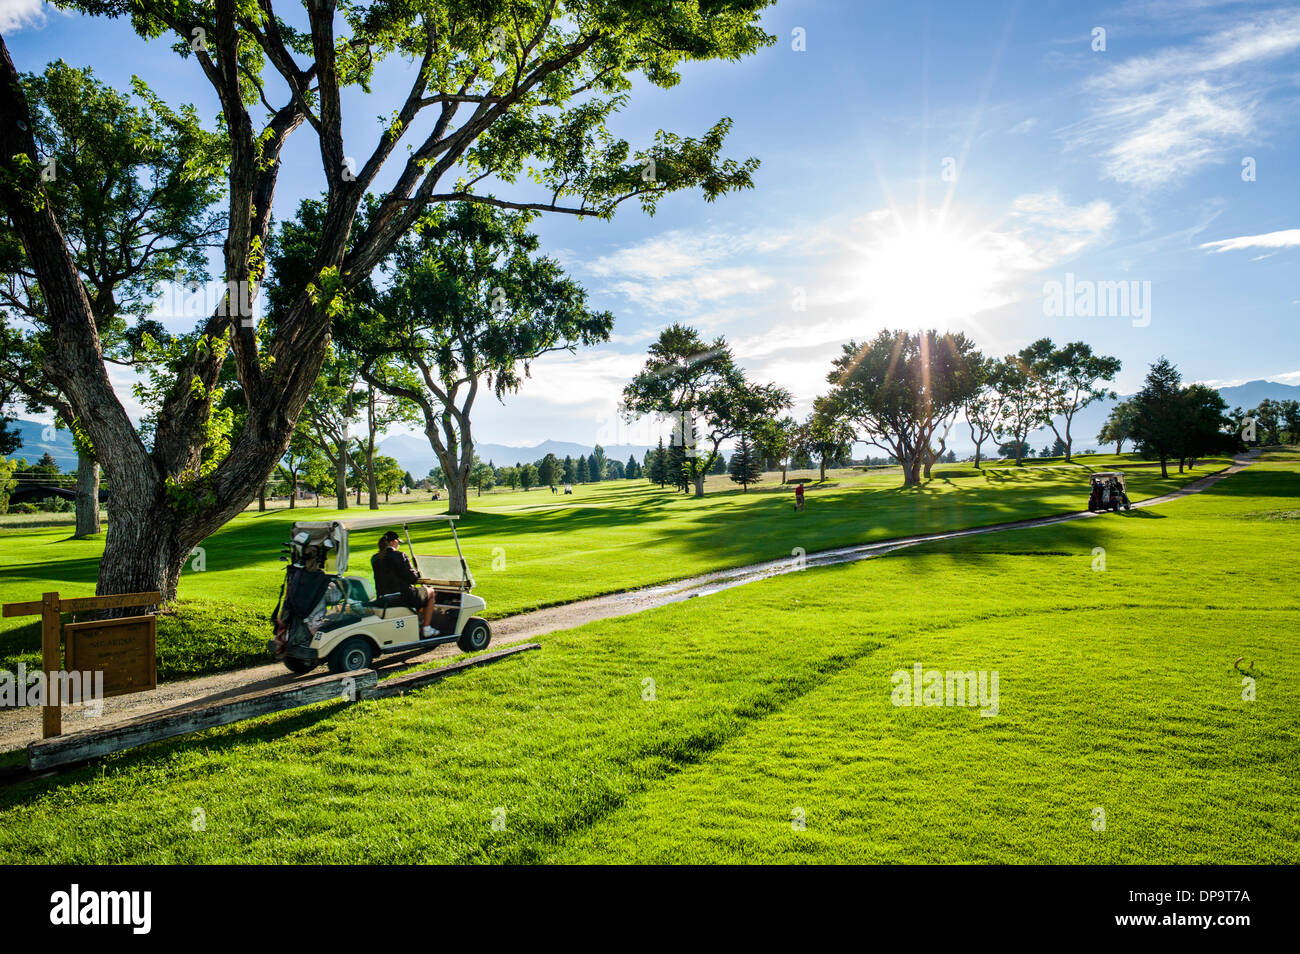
929 275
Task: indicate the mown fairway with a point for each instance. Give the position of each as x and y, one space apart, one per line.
553 549
1117 691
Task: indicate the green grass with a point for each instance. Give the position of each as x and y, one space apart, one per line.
533 549
1117 691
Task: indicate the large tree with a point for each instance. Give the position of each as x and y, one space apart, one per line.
698 385
330 414
983 409
824 436
902 389
515 89
1207 429
1160 415
1068 379
1118 427
133 217
471 304
1023 407
775 440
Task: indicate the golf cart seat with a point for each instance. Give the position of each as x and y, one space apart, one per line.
360 595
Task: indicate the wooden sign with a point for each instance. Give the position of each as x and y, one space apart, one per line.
124 650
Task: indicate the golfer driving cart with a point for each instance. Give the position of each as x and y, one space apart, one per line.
346 621
1108 492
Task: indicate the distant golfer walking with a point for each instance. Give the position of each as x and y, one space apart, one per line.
798 496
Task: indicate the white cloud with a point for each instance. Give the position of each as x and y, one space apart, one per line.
681 252
1165 115
17 14
1287 238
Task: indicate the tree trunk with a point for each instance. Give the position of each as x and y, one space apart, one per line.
911 471
1164 470
87 496
261 499
141 551
341 480
699 485
293 491
457 493
373 483
823 467
977 455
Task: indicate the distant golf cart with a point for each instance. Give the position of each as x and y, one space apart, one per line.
331 617
1108 492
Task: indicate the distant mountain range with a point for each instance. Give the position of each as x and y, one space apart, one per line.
415 455
37 442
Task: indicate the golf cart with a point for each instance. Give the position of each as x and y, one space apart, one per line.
330 617
1108 492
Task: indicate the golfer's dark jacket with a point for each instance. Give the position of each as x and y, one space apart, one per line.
393 574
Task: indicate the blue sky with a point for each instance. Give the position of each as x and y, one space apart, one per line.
923 164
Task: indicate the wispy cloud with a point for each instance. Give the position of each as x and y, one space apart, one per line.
1287 238
691 274
1172 112
17 14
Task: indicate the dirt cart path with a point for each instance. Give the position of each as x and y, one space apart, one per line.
20 726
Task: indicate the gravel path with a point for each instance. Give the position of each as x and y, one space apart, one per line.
20 726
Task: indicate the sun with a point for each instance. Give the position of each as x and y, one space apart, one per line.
929 275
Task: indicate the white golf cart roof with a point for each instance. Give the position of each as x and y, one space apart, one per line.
333 534
370 523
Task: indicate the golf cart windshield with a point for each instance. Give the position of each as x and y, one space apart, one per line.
333 536
1108 476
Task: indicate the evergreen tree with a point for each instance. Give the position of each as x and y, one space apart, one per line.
675 462
746 467
548 470
719 465
657 464
631 468
1158 414
583 470
593 468
570 470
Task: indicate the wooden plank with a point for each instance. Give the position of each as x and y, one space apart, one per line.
116 601
52 663
415 680
30 608
76 604
88 745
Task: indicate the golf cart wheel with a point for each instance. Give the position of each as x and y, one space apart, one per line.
353 655
299 666
475 636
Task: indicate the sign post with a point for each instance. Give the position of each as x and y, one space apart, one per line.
123 649
52 663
